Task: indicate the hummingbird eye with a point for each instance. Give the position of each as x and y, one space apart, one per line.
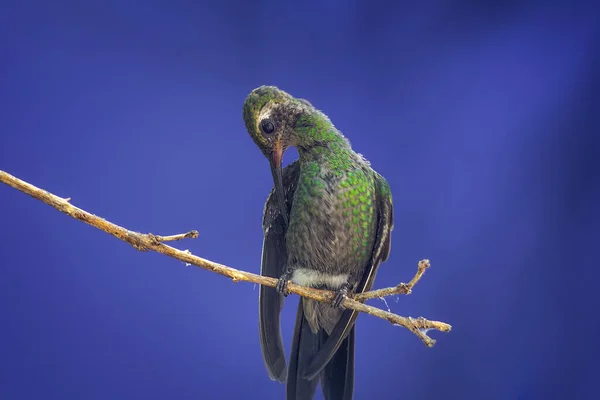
267 126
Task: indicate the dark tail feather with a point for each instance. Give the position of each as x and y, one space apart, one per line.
337 378
330 346
305 345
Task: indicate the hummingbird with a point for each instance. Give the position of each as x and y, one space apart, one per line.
327 224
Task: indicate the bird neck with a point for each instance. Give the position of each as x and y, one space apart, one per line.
319 141
334 156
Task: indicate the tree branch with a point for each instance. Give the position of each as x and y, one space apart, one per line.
146 242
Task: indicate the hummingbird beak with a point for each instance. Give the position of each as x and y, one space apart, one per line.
277 172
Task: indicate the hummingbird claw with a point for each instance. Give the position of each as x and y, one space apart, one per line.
282 284
340 296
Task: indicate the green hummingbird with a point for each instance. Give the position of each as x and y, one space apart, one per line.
327 224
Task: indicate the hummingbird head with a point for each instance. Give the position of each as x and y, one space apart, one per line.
271 118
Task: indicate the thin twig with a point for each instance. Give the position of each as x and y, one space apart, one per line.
172 238
401 288
147 242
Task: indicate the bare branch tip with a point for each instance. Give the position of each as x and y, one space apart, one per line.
173 238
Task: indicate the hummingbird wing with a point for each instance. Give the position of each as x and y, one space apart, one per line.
345 326
274 257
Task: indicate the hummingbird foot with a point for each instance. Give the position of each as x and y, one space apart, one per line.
340 296
282 283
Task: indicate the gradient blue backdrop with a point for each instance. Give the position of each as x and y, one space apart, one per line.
484 118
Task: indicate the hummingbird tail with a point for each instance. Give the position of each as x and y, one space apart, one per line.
337 377
305 344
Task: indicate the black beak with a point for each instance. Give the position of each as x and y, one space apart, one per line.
277 172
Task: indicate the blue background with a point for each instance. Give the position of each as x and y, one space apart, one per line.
484 118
